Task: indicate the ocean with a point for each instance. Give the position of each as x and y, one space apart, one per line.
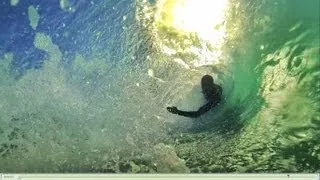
84 86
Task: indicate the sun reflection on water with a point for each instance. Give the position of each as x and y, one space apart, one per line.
205 18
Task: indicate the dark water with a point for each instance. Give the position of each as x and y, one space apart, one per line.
84 86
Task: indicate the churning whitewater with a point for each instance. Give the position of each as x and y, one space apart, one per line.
84 86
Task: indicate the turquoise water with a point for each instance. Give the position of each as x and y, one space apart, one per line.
86 86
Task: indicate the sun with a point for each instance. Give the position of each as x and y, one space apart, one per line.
204 17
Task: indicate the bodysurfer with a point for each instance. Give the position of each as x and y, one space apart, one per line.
212 93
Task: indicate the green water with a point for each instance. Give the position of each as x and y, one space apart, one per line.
92 116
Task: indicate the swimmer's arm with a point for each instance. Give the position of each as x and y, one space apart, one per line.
193 114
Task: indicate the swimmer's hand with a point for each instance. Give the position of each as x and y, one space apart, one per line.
173 109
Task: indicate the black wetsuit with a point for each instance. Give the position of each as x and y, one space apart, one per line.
212 95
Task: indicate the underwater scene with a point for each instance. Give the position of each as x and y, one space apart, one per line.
84 86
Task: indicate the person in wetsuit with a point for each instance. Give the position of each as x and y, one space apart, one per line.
212 93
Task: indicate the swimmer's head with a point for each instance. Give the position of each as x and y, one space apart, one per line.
207 82
207 85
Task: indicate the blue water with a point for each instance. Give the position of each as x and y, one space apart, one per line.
87 90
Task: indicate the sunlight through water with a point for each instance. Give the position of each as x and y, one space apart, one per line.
203 18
